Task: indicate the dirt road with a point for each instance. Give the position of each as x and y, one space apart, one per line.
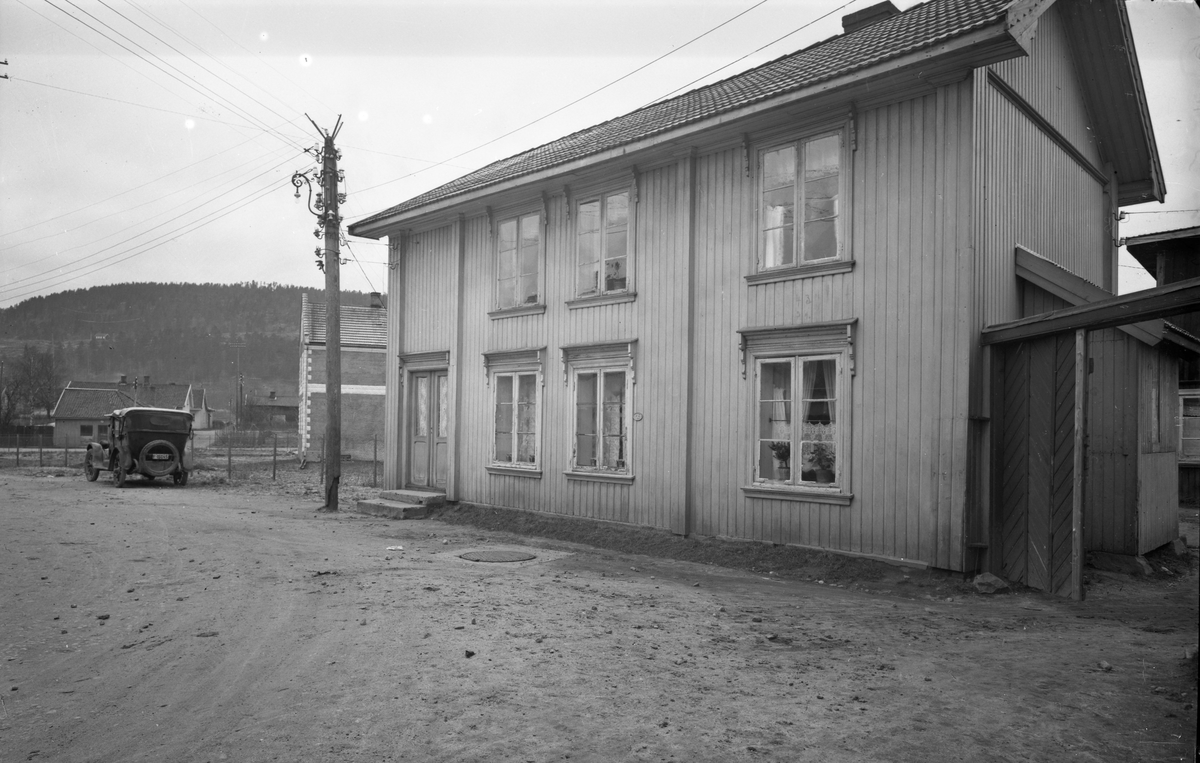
210 624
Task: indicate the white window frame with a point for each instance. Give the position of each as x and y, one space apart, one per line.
515 376
839 262
601 196
601 359
515 217
514 364
1183 395
795 344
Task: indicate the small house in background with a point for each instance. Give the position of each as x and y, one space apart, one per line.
770 308
364 360
81 402
1173 256
271 411
201 412
81 413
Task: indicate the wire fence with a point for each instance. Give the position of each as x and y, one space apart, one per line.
227 457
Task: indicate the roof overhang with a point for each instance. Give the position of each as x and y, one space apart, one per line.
942 63
1100 34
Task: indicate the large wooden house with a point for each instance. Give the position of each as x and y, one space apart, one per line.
756 310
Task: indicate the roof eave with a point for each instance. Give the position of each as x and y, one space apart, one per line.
996 42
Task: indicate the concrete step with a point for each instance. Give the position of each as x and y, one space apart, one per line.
419 497
382 507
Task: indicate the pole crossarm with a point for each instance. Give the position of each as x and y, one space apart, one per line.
1160 302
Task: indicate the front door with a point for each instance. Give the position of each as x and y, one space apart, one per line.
429 430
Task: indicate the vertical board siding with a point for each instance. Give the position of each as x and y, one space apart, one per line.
1110 511
429 272
910 237
1049 80
907 449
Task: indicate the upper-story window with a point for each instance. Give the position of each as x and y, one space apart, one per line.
602 245
802 188
518 254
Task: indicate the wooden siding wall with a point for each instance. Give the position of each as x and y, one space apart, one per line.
657 319
909 291
1110 512
1033 192
1158 457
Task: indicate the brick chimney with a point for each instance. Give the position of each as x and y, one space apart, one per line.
123 380
376 299
872 14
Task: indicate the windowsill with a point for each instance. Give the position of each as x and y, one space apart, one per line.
797 494
800 271
515 312
601 299
612 477
514 471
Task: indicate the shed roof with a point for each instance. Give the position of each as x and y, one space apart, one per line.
919 28
76 403
361 326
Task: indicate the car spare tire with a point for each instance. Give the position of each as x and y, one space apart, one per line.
158 459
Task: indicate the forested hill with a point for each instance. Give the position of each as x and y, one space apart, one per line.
173 332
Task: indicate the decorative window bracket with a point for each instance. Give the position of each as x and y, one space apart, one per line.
598 355
831 336
513 360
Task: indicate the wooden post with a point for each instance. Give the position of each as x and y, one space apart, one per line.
274 455
375 461
18 450
1079 466
332 466
66 457
40 455
229 458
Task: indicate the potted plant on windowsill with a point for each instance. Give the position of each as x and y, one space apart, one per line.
823 460
782 451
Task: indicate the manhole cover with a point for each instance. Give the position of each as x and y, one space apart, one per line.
498 556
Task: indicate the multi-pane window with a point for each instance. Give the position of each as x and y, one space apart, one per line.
602 245
516 413
518 253
799 441
85 430
1189 427
601 429
805 176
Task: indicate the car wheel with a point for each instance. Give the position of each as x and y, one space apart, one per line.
89 469
119 476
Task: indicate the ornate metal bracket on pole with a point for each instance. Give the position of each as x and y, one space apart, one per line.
329 223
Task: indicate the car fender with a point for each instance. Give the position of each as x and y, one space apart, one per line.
187 457
96 451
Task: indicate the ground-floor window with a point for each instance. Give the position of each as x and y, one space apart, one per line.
799 440
601 433
516 419
85 430
798 380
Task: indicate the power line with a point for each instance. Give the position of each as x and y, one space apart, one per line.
193 61
189 200
177 77
625 76
757 50
169 236
50 274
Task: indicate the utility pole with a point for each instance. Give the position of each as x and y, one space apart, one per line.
329 259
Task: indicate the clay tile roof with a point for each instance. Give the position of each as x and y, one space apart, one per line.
361 326
919 27
76 403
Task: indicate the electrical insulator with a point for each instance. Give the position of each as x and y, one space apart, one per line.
341 198
318 252
341 175
320 266
316 232
320 203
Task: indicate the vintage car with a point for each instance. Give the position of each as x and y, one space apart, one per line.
151 442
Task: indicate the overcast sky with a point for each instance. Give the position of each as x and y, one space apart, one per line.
154 140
